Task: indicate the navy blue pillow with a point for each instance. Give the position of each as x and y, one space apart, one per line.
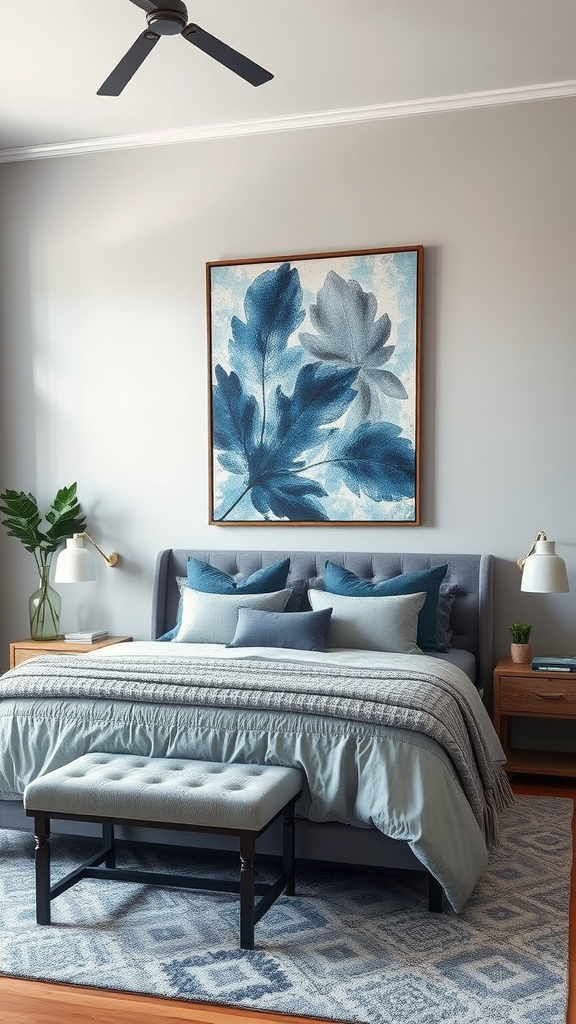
338 580
298 600
210 580
443 630
302 631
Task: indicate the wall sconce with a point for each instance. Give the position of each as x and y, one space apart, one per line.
75 564
543 571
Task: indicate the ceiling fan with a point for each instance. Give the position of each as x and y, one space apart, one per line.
169 18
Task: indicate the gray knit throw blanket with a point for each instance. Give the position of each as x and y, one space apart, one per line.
423 701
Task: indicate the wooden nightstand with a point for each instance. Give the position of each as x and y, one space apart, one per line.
21 650
520 691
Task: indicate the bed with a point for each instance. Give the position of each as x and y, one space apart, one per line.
402 766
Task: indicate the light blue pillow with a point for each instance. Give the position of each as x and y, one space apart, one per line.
210 580
212 618
302 631
338 580
372 623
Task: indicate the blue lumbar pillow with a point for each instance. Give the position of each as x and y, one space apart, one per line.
210 580
338 580
302 631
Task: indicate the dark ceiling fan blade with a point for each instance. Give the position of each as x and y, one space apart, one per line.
177 6
230 58
129 64
145 5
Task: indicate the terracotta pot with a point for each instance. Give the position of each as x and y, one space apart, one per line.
521 654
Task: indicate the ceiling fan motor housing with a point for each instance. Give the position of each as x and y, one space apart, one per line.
166 23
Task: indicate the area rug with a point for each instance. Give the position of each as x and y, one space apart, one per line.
348 947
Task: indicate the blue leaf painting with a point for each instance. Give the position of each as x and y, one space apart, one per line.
348 334
313 415
322 394
375 460
236 415
258 348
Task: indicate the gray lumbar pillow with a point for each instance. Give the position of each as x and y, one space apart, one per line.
212 618
302 631
372 623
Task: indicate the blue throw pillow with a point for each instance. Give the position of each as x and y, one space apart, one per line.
302 631
338 580
210 580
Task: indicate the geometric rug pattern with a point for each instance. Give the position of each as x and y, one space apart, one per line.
349 946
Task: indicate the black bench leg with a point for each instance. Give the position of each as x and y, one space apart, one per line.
246 891
109 845
289 849
42 863
435 894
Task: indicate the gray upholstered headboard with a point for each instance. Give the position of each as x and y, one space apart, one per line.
471 619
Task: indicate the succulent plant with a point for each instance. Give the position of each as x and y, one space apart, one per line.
520 632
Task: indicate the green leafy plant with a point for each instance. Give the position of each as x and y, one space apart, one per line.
520 632
24 521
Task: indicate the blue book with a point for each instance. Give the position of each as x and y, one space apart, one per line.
545 664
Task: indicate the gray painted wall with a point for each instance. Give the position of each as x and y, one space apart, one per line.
103 328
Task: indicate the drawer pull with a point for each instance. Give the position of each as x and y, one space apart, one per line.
549 696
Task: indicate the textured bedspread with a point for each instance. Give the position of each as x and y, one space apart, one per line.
402 744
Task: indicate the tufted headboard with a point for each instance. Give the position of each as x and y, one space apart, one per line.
471 619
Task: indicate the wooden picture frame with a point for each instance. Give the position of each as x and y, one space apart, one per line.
314 390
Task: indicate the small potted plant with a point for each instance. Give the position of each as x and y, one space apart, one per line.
520 648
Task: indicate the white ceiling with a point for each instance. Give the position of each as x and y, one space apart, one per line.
332 60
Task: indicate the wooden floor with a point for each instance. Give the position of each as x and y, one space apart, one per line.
33 1002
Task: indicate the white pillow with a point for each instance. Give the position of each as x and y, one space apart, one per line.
212 618
372 623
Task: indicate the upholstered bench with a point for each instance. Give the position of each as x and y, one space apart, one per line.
199 796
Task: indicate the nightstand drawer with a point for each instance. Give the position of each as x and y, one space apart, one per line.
546 696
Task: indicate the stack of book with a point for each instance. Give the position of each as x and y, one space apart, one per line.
85 638
544 664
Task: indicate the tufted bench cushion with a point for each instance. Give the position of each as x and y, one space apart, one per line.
199 796
170 790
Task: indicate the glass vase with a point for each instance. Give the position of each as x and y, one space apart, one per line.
44 608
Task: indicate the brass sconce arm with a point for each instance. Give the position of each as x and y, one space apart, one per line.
521 561
110 559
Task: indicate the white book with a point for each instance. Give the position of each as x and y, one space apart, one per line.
87 635
85 638
86 643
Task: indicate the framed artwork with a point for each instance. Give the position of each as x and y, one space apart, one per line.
315 389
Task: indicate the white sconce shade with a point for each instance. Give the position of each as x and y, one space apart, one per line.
75 564
544 572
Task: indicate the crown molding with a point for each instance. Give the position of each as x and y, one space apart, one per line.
319 119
